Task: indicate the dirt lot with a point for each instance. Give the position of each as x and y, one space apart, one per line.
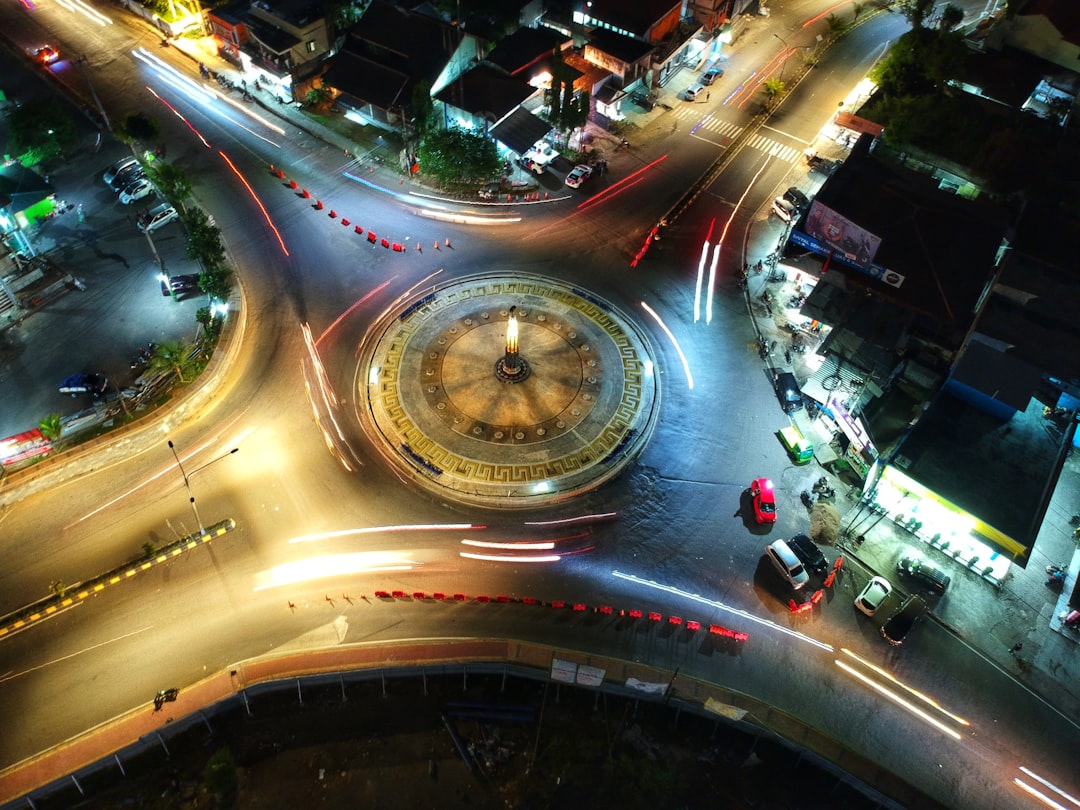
566 748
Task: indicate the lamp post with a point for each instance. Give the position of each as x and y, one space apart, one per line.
187 479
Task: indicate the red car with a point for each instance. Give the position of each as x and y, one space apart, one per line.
761 490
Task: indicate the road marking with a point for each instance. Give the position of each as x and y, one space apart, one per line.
12 675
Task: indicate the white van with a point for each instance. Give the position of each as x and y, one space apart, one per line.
787 564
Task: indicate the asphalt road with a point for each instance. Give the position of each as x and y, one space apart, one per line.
206 610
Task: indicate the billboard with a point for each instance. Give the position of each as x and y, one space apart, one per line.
853 242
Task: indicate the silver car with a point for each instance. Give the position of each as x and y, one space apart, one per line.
156 217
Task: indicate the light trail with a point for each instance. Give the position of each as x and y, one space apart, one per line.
202 94
674 342
929 701
514 559
546 546
79 7
333 565
579 519
169 469
351 309
258 202
176 112
1046 783
742 614
414 527
763 74
712 281
614 187
825 13
898 700
701 277
1035 793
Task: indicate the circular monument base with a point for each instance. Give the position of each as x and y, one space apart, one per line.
434 402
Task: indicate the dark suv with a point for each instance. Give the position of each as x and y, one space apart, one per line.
924 573
797 198
895 630
809 554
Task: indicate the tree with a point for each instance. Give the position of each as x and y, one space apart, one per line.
216 282
51 427
177 357
773 89
836 25
951 16
172 182
40 129
457 156
423 110
138 127
564 111
916 11
203 238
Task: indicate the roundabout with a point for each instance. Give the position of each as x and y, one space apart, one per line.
507 391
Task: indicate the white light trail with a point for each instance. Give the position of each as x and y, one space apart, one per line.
416 527
1051 785
900 701
79 7
929 701
712 282
334 565
1037 794
742 614
579 519
204 93
674 342
510 558
700 280
547 546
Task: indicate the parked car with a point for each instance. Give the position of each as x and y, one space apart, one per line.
798 446
823 165
898 625
871 597
180 285
787 564
710 76
93 384
809 554
643 101
119 168
923 572
694 90
764 498
156 217
136 190
578 175
785 210
798 199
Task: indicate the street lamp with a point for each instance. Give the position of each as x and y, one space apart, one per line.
187 479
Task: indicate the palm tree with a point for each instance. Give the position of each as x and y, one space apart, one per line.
51 427
177 357
772 88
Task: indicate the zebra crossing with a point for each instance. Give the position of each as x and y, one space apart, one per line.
726 129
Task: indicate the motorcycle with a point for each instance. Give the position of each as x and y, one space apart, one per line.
1059 568
807 499
1056 581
